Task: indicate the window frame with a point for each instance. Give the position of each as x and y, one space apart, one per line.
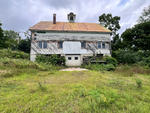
60 44
83 44
44 42
99 45
103 45
40 45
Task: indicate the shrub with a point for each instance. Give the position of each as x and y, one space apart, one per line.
51 59
126 57
139 83
110 60
13 54
100 67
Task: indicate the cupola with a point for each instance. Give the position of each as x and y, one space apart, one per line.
71 17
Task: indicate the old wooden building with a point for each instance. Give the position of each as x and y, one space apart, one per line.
70 39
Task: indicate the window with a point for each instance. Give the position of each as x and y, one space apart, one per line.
103 45
71 17
35 34
69 58
99 44
44 44
60 44
76 58
40 44
83 44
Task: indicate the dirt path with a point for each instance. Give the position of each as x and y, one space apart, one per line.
74 69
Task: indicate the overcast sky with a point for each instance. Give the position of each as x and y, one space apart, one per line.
19 15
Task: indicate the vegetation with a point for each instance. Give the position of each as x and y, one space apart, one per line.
8 53
30 89
51 59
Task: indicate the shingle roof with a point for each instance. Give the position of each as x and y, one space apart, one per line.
66 26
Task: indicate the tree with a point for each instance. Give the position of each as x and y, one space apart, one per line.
112 23
12 39
2 39
24 44
145 17
137 38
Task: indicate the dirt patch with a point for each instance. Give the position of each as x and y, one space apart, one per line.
74 69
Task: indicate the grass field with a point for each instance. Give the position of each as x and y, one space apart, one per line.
30 90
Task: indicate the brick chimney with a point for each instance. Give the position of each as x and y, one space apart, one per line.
54 18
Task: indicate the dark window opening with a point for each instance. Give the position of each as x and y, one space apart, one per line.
103 45
83 44
60 44
35 34
76 58
69 58
71 17
34 38
99 44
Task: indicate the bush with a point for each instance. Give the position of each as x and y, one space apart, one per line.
100 67
13 54
139 83
126 57
51 59
110 60
131 57
146 61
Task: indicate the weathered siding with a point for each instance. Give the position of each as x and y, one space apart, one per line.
74 47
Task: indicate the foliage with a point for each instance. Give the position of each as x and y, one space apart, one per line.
100 67
137 38
12 39
110 60
24 45
13 54
2 39
110 22
145 17
51 59
132 57
139 83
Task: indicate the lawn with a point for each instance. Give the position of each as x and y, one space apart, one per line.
35 91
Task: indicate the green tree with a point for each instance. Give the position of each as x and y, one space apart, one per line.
112 23
137 38
12 39
24 44
145 17
2 39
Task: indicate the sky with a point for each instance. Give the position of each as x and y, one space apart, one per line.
19 15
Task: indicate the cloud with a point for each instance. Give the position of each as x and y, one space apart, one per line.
19 15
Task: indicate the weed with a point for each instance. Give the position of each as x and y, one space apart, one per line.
139 83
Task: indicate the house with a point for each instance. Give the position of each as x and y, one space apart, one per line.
70 39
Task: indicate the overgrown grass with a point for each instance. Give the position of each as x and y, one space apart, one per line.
35 88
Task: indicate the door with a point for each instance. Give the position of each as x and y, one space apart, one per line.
73 60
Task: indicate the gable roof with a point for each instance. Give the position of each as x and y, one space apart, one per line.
66 26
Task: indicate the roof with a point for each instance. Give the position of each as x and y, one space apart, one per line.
66 26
